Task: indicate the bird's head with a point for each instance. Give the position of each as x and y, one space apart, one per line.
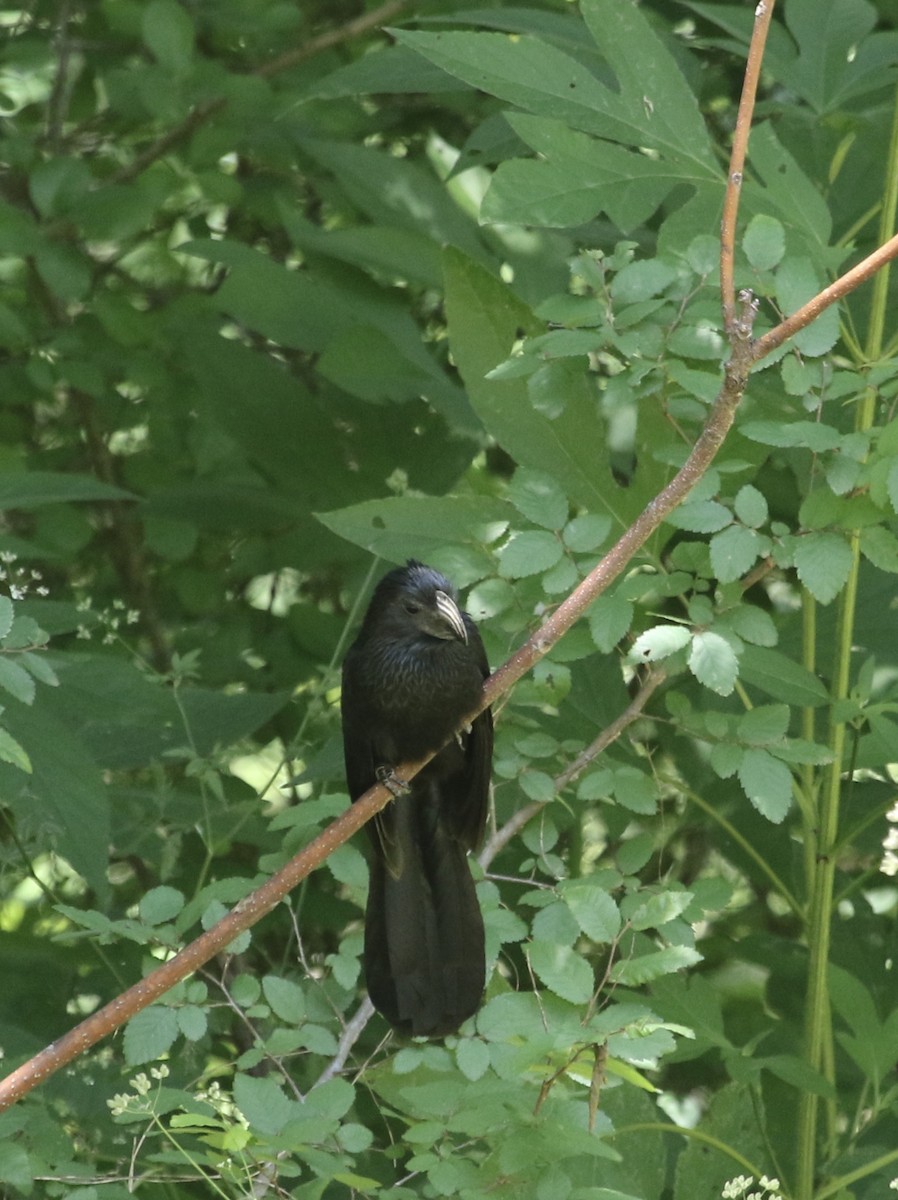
415 600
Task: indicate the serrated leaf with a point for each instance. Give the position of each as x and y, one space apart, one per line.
262 1102
659 909
734 552
700 516
12 752
753 625
150 1034
767 782
659 642
15 680
635 790
192 1022
766 723
634 972
823 562
586 532
529 553
609 621
593 908
562 970
726 759
880 547
472 1057
764 242
286 998
750 506
796 283
161 904
38 666
713 662
539 497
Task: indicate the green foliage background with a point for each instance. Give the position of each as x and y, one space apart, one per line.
282 306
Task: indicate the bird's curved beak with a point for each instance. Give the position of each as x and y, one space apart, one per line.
451 614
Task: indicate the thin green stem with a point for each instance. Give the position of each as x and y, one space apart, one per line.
695 1135
818 1025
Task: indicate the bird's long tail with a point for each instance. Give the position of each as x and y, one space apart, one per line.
424 939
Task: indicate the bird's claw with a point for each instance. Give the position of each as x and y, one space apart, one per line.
391 781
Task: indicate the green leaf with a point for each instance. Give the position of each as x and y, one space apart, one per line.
12 752
660 642
192 1022
15 680
485 320
263 1103
31 489
635 972
823 561
753 624
286 998
640 280
593 908
764 724
781 677
734 552
150 1034
635 790
880 547
473 1058
764 242
797 282
726 759
657 910
539 497
529 553
586 532
562 970
609 621
713 662
700 516
751 506
400 527
767 782
168 31
161 904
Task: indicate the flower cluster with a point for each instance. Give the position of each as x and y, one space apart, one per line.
737 1189
139 1101
20 580
109 619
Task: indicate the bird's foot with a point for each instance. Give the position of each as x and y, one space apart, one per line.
391 781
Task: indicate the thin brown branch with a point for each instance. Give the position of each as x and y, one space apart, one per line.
250 910
290 58
609 734
846 283
736 173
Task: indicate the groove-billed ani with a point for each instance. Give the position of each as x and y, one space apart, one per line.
413 674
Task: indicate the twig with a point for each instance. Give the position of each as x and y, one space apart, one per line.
736 173
609 734
830 295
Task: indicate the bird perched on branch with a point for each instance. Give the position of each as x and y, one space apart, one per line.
412 676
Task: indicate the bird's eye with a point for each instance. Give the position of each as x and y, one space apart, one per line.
411 608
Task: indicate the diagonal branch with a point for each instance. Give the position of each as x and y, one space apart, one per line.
736 173
261 901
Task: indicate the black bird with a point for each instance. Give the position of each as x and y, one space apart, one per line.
413 674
